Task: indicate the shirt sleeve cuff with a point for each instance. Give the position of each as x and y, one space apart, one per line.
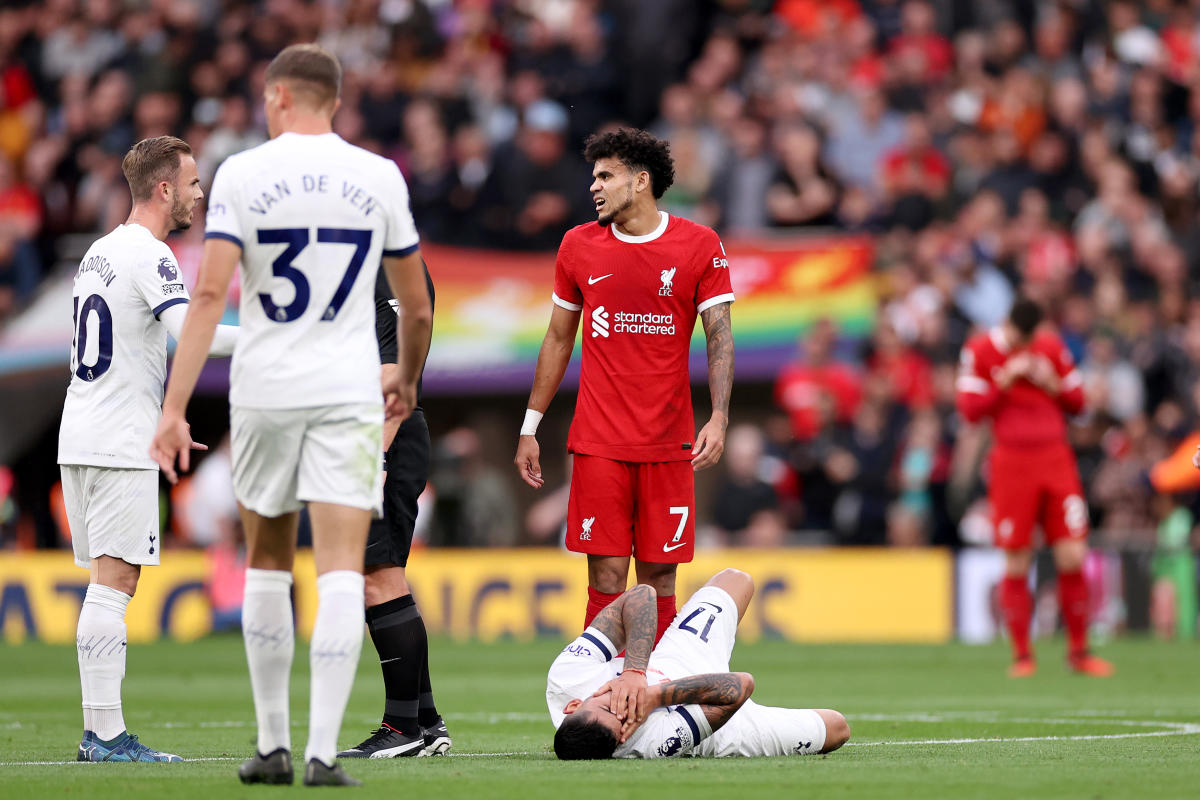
229 237
601 641
714 301
558 301
693 715
403 251
174 301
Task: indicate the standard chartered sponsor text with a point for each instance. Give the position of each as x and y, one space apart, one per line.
627 322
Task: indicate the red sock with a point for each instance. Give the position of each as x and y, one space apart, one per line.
666 613
1073 602
597 602
1017 604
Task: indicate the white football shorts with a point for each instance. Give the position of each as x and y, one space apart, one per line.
283 458
112 512
701 636
701 640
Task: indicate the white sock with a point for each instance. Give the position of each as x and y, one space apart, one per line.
336 644
100 641
270 642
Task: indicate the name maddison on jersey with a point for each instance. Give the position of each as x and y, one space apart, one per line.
277 192
100 266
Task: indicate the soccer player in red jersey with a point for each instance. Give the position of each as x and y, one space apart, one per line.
1022 377
639 277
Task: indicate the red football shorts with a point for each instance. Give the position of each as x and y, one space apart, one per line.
621 508
1036 485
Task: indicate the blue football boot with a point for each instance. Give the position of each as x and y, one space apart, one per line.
125 747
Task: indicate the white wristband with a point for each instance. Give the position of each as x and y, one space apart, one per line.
530 425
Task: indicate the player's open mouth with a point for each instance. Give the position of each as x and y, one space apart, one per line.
599 203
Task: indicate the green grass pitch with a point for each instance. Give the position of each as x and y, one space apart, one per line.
928 722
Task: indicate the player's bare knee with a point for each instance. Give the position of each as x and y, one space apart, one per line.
660 576
737 584
1069 556
837 729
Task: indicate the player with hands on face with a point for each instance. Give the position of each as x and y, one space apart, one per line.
678 697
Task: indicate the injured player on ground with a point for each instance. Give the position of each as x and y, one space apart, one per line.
678 698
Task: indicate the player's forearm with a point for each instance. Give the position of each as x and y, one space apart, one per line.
224 340
640 618
204 312
719 333
552 361
630 623
415 330
712 689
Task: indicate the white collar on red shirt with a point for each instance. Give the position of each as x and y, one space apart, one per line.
663 219
996 334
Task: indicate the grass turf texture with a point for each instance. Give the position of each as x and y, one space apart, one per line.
194 700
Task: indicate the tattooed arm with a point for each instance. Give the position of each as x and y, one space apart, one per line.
719 694
629 622
710 442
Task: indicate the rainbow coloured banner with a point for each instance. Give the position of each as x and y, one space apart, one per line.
493 307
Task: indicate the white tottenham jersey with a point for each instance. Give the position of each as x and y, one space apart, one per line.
119 350
588 663
313 216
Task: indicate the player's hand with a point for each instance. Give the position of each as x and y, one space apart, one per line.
399 399
1196 458
172 440
1043 373
528 462
1018 366
627 690
710 442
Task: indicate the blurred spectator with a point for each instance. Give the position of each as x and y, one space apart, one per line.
745 507
859 139
803 386
538 189
801 192
474 505
916 176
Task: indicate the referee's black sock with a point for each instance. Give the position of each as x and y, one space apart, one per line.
427 713
399 635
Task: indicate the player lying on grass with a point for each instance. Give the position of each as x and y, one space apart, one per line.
678 698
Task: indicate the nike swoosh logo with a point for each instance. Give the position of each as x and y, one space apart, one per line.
592 280
669 548
389 660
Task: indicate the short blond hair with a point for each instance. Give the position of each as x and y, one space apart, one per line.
311 69
152 161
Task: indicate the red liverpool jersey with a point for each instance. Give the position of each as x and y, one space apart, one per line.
640 296
1024 415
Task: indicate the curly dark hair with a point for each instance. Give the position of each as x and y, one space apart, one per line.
580 738
637 150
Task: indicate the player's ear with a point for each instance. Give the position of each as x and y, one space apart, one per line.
572 707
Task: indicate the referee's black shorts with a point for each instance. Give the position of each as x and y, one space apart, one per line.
390 537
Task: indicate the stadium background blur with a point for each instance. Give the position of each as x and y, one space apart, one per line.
936 158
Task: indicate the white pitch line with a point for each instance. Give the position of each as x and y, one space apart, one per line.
1177 729
1173 729
242 758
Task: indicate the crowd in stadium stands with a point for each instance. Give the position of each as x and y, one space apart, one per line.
1013 146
